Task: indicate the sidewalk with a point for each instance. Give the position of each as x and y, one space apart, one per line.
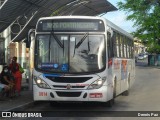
19 102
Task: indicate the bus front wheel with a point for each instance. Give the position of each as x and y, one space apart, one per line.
110 103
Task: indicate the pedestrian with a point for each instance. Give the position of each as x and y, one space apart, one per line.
14 66
7 81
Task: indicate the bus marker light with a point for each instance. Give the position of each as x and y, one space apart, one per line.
95 95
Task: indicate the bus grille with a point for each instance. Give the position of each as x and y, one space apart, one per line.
68 79
64 86
68 94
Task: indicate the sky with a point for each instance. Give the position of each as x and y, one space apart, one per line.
119 18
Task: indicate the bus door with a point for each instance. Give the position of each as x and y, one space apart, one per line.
31 44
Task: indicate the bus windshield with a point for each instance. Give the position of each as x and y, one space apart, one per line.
70 53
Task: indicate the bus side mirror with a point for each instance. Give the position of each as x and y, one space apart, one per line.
31 36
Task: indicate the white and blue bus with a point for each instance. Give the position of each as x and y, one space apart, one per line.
81 58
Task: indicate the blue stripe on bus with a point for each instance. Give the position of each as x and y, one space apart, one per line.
54 75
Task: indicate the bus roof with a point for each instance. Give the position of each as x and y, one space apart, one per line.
69 17
116 28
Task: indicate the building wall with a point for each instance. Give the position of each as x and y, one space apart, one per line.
12 49
7 38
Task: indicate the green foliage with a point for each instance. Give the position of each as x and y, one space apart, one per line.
145 15
154 49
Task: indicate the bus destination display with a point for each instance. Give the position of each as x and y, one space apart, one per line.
70 26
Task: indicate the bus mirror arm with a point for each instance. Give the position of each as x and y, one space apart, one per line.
58 41
31 35
74 48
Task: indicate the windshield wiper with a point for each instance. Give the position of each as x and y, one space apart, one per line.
74 48
57 40
81 41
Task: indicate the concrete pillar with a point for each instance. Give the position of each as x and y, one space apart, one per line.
17 52
7 36
1 67
23 55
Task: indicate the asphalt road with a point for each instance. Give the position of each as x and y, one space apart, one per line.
144 96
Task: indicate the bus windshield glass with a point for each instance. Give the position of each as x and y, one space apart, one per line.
72 53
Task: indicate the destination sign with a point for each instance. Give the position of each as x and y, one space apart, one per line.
81 25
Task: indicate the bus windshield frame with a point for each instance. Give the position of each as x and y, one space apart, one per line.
78 52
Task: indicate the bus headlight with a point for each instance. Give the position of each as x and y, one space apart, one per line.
40 83
97 84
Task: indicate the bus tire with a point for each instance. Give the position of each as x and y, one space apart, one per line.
111 102
114 90
125 93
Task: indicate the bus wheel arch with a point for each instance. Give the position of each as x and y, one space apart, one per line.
110 102
126 92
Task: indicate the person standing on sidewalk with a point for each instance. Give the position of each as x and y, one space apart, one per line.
14 66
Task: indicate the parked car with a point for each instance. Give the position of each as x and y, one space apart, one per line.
145 55
140 56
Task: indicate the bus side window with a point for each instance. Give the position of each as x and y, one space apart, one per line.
132 49
113 43
122 46
117 45
126 47
109 45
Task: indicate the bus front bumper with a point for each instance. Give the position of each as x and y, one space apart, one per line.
102 94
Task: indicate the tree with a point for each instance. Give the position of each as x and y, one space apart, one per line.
145 15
